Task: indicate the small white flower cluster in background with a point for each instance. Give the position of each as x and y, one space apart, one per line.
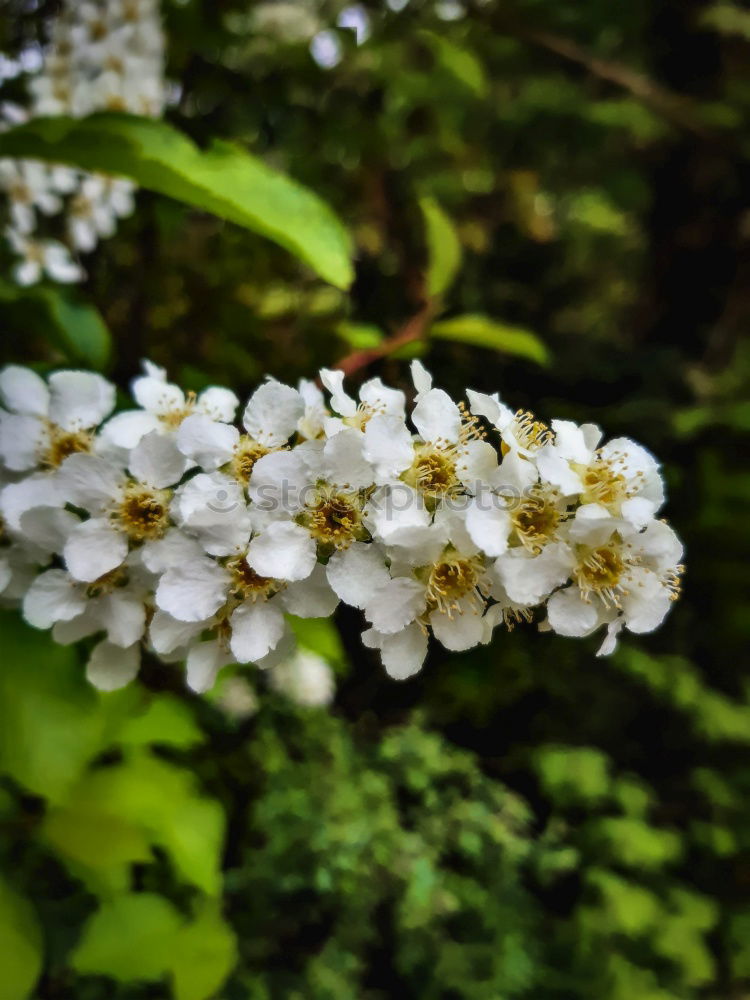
170 525
103 55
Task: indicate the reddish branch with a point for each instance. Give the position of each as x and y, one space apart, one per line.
414 329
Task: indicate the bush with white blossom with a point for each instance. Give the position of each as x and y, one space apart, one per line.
103 55
172 527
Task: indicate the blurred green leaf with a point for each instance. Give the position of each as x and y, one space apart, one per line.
458 61
205 955
574 774
132 937
118 810
481 331
224 179
20 945
50 725
165 721
75 326
443 248
141 937
360 336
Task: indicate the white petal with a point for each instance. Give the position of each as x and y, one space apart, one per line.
168 634
464 629
34 491
420 377
284 551
126 429
396 513
79 399
203 662
357 573
660 544
343 462
402 654
396 604
218 403
647 602
382 399
90 482
436 416
157 396
174 549
593 525
515 475
22 438
609 645
53 597
256 629
207 442
638 511
94 548
272 413
490 408
279 482
193 592
477 465
570 615
572 441
156 460
556 470
111 667
310 598
341 402
388 446
529 579
48 528
23 391
123 616
488 523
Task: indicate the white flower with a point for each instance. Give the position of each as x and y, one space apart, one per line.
619 575
270 419
621 475
27 184
47 422
374 398
125 510
164 407
42 257
94 210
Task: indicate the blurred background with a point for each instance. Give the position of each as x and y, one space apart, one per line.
523 821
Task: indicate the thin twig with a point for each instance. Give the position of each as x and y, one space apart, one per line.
414 329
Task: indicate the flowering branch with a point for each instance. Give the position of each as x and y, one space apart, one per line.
168 526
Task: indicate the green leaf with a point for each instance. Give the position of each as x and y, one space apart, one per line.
141 937
360 336
482 331
50 725
20 945
75 326
206 954
459 62
120 810
166 721
224 179
131 937
443 248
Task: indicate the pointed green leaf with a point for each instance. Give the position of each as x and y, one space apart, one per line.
223 179
443 248
481 331
462 64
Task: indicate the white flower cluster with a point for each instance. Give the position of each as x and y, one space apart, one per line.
103 55
172 526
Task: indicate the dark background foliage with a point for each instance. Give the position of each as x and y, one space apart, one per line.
525 820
